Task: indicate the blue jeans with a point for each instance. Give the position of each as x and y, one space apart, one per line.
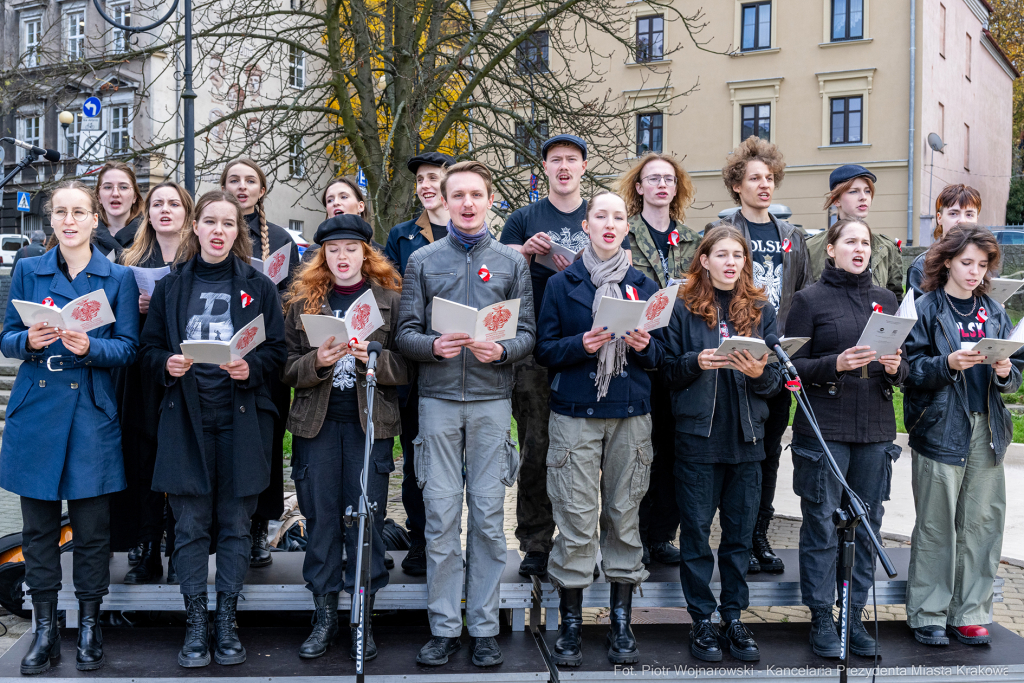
868 470
327 470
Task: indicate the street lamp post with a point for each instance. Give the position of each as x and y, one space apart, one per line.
188 94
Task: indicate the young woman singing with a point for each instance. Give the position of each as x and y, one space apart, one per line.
216 422
855 414
720 410
62 439
328 418
600 430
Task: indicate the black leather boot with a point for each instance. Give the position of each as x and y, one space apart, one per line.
45 648
172 573
620 640
90 638
740 640
568 644
824 639
704 643
149 567
861 642
753 567
260 555
227 647
766 557
325 626
134 553
196 650
369 646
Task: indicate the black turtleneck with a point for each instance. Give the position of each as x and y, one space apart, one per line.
209 319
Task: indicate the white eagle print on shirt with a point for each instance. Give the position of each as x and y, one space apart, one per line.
769 279
570 240
345 372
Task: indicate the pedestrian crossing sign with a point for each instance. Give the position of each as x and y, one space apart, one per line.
24 201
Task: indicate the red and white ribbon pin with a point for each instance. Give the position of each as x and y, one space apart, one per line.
631 293
982 315
49 302
876 307
787 246
246 299
484 273
673 238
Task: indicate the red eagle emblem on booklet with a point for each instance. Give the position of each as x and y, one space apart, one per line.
360 316
657 306
274 267
246 338
496 319
86 311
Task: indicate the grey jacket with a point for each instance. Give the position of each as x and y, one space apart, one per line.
796 264
447 270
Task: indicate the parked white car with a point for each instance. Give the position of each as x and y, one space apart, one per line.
9 245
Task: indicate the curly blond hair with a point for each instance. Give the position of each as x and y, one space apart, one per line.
635 201
752 149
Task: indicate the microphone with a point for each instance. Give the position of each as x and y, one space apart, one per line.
787 365
48 154
373 349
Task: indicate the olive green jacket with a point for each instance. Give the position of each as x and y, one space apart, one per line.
886 261
645 254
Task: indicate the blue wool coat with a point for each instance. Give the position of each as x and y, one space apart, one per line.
62 440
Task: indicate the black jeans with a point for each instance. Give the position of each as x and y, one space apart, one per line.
868 470
774 430
40 544
412 494
196 517
659 515
327 470
700 490
535 520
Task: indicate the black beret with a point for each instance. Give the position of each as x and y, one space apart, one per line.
430 158
344 226
849 172
564 139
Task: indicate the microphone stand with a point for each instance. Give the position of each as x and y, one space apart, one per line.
364 518
30 158
846 519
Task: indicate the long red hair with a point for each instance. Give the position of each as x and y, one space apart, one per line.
699 292
314 280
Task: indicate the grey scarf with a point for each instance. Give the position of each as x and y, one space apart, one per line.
606 276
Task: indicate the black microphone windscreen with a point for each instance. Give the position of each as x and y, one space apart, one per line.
771 340
374 347
52 155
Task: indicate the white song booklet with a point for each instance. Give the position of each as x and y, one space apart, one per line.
885 334
622 315
1001 288
223 352
496 322
996 350
758 348
276 266
85 313
361 319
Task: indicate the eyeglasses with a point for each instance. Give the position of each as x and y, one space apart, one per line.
109 187
60 215
655 180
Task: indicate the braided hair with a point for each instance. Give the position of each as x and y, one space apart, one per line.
260 211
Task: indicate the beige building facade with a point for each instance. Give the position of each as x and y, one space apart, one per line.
830 82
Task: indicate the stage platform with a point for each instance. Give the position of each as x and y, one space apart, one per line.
147 654
280 587
663 589
786 656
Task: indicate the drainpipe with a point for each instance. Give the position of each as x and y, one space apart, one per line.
912 137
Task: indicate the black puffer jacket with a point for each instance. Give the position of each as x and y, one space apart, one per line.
935 407
694 390
833 312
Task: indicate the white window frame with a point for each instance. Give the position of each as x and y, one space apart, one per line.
756 91
121 12
113 116
296 157
30 130
74 42
296 68
850 83
30 49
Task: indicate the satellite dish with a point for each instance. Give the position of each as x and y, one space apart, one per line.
935 142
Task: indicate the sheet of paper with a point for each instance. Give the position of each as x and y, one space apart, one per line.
497 322
221 352
146 278
276 267
361 319
112 256
547 260
884 333
1001 288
